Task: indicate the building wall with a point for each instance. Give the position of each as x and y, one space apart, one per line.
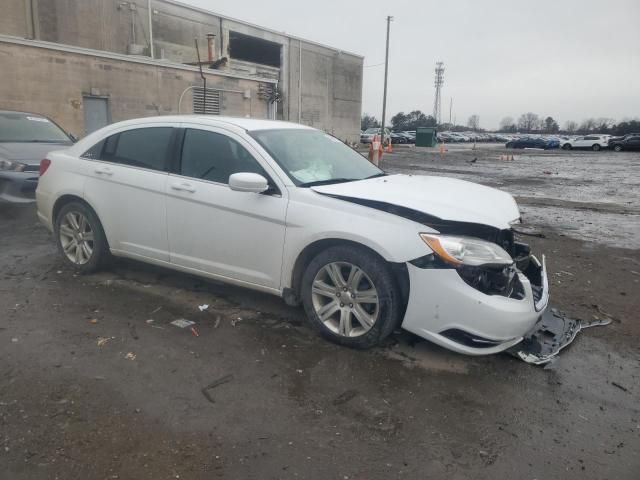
13 20
53 83
332 80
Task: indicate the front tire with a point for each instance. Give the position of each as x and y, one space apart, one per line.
80 238
350 296
566 146
595 148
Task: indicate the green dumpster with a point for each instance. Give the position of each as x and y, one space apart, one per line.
426 137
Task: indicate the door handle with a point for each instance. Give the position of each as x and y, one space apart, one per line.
183 187
104 171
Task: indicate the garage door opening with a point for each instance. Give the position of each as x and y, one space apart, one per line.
253 49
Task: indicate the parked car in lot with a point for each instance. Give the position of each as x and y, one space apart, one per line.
529 142
398 138
591 142
409 137
25 138
628 142
368 134
289 210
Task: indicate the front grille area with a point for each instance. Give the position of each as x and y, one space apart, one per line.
469 340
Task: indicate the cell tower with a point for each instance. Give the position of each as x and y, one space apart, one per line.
439 80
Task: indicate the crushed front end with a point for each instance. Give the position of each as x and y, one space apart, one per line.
480 307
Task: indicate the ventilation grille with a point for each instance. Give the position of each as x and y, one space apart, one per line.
213 101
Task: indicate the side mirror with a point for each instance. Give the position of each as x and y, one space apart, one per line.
248 182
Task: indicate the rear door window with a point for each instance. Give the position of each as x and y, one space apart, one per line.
95 152
140 147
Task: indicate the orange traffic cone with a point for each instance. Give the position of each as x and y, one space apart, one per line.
389 147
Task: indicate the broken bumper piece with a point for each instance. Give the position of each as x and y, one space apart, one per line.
549 335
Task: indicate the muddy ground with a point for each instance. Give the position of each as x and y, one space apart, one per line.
95 382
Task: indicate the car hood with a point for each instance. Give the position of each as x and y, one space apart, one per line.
29 153
446 198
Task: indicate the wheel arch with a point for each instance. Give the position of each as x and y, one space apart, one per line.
67 198
292 294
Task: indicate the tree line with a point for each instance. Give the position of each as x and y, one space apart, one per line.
527 123
532 123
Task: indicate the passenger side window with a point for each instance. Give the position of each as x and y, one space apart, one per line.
141 147
213 156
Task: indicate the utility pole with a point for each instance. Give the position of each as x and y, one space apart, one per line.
439 80
450 108
386 70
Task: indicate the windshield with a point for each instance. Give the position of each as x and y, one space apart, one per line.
311 157
25 127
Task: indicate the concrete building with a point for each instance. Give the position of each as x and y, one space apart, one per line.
86 63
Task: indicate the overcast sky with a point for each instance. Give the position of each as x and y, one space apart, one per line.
571 59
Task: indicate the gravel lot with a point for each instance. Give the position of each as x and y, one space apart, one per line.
96 383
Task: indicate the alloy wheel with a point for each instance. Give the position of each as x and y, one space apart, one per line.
76 238
345 299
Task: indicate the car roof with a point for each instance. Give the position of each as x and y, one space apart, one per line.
248 124
23 113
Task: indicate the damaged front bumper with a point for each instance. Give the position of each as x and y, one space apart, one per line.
446 309
549 335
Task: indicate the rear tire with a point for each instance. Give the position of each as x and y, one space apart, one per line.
595 148
80 238
351 297
566 146
617 148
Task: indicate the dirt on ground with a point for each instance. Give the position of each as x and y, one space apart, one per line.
95 382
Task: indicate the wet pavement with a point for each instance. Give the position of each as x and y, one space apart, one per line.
95 382
587 195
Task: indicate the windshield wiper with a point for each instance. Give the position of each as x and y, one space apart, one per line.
329 181
381 174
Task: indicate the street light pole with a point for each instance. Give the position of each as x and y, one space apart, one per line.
386 69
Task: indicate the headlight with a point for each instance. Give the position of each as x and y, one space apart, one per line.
466 250
12 166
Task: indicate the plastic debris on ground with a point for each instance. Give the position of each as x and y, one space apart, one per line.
203 307
103 340
550 334
130 356
214 384
234 322
182 323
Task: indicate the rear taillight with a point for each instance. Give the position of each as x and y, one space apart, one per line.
44 165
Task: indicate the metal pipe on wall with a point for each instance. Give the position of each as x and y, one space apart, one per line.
150 29
299 81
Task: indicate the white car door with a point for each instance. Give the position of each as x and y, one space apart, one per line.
125 183
211 228
579 142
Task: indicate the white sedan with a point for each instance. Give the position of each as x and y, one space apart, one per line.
292 211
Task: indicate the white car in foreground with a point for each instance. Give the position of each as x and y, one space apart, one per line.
292 211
